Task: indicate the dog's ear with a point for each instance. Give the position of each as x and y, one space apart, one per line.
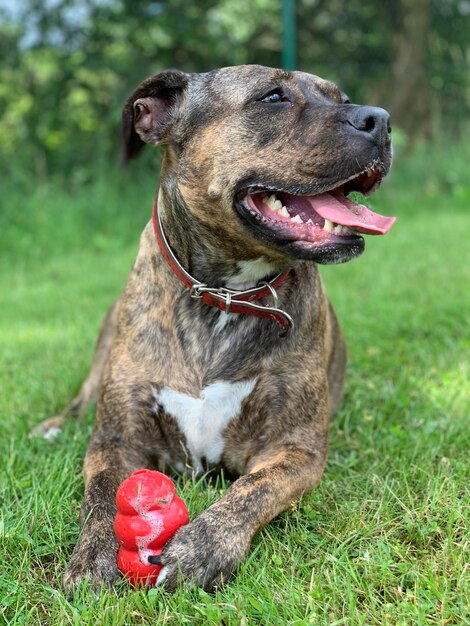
147 112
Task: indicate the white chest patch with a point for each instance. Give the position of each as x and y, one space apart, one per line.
204 419
249 273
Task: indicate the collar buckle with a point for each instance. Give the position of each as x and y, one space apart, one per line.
197 290
228 300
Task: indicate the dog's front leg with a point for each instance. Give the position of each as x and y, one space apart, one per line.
109 460
208 551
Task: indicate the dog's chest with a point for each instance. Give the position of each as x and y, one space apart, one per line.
203 420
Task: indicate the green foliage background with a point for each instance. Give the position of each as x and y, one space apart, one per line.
67 65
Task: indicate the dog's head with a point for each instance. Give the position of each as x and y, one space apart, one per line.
267 157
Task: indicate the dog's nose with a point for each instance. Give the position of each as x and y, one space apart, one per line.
372 121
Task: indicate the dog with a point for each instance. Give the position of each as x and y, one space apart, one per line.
223 350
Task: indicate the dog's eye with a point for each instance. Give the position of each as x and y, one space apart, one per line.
275 97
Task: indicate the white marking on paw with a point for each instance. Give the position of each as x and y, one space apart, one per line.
204 419
162 575
52 433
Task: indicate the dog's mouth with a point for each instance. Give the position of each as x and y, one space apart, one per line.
326 226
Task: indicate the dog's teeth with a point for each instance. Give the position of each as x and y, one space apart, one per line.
310 222
328 226
284 212
277 205
271 202
338 230
297 219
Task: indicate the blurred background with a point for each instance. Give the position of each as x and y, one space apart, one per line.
68 65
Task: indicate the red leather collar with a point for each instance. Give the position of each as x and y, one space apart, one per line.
228 300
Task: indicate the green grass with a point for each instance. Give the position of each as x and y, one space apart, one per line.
382 540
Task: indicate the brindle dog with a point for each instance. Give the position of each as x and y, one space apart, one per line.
257 167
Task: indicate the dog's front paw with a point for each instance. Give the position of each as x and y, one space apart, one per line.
49 428
205 553
93 560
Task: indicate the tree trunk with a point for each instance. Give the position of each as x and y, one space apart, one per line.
410 96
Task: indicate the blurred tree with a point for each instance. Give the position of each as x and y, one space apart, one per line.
409 88
410 56
67 65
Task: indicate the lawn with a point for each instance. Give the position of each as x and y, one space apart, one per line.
382 541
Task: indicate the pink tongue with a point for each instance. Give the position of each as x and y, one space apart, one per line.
342 211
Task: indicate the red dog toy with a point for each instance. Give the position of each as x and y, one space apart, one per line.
149 514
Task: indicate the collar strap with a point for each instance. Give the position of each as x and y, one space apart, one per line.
228 300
